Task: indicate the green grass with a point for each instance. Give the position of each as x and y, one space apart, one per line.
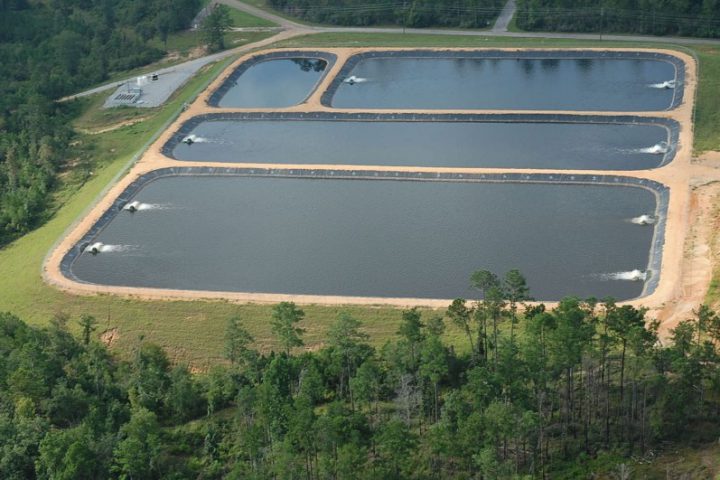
192 331
95 118
182 44
707 116
262 5
713 295
512 26
431 40
242 19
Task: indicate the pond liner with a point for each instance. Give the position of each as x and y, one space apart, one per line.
662 195
351 63
219 93
672 126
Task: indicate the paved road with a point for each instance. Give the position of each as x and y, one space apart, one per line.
503 20
290 29
189 68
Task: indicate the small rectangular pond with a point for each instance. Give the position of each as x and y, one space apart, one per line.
561 142
273 80
368 237
503 80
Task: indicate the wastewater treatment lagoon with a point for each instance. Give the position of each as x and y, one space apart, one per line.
428 140
345 192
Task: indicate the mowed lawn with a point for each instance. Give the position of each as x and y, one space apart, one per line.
192 332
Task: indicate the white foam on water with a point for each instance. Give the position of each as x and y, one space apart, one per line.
93 247
152 206
668 84
643 220
99 247
116 248
631 276
353 79
657 149
192 138
136 206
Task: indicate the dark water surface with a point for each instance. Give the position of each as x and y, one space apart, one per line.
373 237
448 144
595 84
275 83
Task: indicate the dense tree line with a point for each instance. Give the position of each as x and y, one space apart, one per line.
699 18
52 48
409 13
533 390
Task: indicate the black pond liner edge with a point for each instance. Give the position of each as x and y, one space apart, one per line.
328 95
228 83
662 195
671 125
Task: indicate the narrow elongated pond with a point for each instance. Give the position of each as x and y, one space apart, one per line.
380 238
424 143
508 80
272 81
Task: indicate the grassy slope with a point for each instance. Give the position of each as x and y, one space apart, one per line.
713 295
707 120
263 5
181 46
192 331
185 42
242 19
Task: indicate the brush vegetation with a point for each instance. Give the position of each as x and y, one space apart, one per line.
585 390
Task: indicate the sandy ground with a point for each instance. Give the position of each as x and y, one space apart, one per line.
686 267
702 242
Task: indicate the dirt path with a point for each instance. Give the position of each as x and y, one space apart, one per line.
505 17
110 128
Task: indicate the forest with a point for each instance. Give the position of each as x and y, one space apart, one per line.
410 13
525 392
692 18
50 49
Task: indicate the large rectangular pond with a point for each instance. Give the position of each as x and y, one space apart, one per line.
274 80
550 80
514 143
358 237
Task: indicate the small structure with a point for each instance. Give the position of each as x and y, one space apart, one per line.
128 96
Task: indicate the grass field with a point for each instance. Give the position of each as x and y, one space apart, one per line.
183 43
192 332
242 19
262 5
